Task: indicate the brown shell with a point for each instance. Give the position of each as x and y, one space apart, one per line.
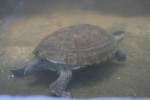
82 44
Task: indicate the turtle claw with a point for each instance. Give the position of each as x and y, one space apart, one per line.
66 94
61 93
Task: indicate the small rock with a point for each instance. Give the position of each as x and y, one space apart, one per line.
11 76
118 78
1 71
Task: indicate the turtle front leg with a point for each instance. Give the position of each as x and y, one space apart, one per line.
120 55
58 87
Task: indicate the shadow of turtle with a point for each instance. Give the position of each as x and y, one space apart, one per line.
93 74
81 78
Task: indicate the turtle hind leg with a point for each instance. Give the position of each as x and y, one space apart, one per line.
58 87
18 72
27 68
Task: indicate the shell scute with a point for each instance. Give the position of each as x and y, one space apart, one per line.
81 44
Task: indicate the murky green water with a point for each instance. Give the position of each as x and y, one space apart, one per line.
19 34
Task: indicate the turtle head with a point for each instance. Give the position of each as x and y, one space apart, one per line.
118 35
118 31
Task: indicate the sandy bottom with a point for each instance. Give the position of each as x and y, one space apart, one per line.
19 36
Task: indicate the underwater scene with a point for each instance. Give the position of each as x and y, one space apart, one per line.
25 23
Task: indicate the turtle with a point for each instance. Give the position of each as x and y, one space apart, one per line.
74 47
